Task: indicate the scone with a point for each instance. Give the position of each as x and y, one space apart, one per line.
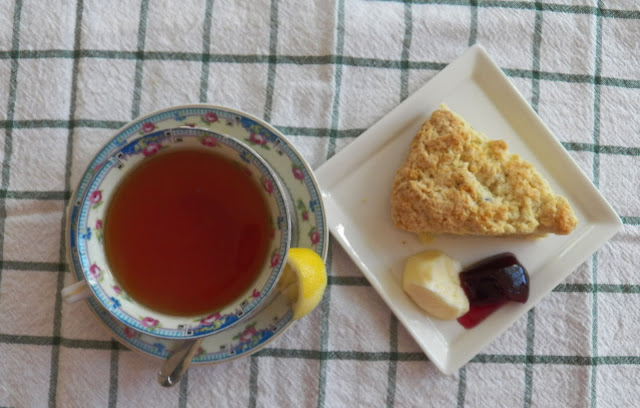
456 181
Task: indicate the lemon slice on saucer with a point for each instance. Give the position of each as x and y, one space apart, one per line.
303 280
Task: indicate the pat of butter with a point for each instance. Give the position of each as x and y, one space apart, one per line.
431 279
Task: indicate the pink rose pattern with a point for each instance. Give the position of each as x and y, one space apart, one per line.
148 127
151 149
150 322
95 199
298 174
268 185
247 334
257 138
275 258
99 230
130 333
95 272
255 294
210 117
304 211
208 321
314 235
209 141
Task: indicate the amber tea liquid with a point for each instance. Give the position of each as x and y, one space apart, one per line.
187 232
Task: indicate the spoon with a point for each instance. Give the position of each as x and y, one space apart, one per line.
176 365
178 362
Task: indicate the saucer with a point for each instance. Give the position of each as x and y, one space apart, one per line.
310 230
86 232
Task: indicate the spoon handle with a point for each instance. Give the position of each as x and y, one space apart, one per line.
176 365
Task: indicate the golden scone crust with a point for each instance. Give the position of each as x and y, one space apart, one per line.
456 181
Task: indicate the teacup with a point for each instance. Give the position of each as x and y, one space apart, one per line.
94 235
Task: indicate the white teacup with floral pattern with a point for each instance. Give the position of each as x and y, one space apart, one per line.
85 232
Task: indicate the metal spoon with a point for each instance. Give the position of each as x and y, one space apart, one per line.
176 365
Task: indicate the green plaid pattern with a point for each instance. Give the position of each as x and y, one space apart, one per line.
322 72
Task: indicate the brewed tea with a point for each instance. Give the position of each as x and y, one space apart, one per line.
187 232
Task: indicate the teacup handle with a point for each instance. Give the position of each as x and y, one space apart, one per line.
78 291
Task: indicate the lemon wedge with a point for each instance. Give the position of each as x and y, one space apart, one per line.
431 279
303 280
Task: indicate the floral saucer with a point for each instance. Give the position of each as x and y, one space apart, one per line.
309 223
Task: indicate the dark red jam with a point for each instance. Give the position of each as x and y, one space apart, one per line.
490 283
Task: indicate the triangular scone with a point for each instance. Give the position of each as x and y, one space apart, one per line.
456 181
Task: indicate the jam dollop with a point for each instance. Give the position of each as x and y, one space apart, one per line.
490 283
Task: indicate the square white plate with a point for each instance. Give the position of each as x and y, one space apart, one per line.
356 185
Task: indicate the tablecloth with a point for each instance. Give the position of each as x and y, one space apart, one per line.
322 72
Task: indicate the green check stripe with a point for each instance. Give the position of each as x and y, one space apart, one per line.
393 360
8 140
602 149
253 381
528 368
57 315
535 99
341 355
523 5
310 60
139 57
557 360
325 308
33 266
183 391
338 61
473 24
288 130
350 280
462 386
597 288
338 355
35 195
537 39
59 341
61 124
406 47
206 57
573 78
272 60
419 356
113 375
630 220
596 182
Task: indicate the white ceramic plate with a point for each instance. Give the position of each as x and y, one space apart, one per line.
356 185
